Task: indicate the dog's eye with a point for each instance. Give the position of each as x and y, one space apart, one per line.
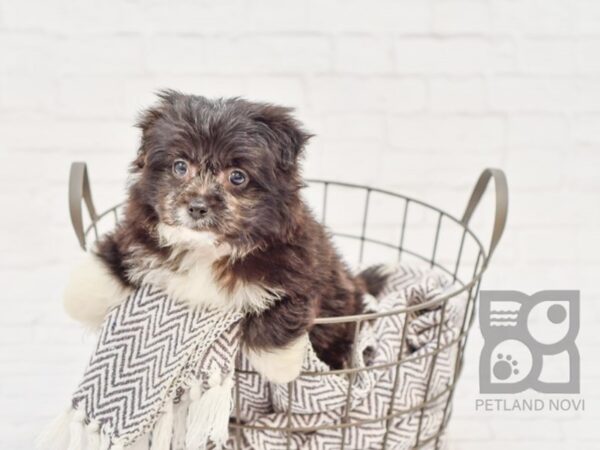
180 168
237 177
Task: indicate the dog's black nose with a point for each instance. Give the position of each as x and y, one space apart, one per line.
197 208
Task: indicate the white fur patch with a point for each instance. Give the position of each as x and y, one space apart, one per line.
91 291
280 365
185 237
370 303
193 282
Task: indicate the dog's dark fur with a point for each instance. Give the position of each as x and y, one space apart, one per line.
275 239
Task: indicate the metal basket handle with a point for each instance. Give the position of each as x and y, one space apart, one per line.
501 203
79 191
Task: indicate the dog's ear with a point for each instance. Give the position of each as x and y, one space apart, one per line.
283 132
148 118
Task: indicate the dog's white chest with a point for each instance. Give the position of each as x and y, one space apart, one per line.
193 280
195 283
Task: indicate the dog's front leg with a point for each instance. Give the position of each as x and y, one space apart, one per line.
92 291
279 365
276 341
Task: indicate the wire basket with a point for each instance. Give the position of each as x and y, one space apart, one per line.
410 230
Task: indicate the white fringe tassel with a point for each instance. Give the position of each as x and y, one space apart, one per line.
93 435
56 435
208 414
180 411
163 429
104 441
77 430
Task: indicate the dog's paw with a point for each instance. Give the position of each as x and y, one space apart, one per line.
280 365
91 291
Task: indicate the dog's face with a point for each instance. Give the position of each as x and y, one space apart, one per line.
229 167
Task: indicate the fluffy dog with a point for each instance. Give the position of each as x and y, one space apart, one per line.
214 216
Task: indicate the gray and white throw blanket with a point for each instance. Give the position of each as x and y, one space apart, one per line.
161 378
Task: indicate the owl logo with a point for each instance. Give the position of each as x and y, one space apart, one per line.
529 342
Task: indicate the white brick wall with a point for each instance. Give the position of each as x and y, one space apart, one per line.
415 95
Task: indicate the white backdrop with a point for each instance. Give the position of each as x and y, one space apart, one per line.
416 96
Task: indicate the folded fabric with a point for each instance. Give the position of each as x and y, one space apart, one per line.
319 400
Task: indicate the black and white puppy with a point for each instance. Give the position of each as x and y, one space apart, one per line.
215 217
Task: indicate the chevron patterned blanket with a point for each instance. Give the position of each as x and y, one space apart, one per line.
161 378
151 350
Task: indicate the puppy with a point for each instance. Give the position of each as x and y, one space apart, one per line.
215 217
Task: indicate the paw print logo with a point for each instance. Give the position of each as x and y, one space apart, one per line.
522 334
509 363
505 367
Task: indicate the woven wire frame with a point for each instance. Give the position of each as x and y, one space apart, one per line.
465 285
